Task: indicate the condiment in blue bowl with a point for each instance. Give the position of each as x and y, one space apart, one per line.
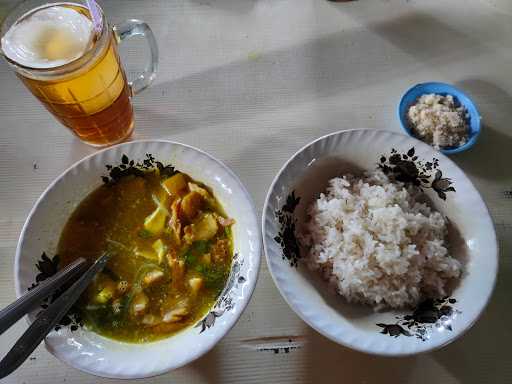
460 99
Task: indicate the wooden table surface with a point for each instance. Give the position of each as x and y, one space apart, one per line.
251 81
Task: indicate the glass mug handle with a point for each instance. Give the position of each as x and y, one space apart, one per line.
131 28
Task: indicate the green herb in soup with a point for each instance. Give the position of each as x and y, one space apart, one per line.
172 249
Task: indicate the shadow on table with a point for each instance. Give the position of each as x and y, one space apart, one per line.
329 363
77 150
488 343
491 154
319 68
152 123
427 39
235 6
444 44
5 8
207 366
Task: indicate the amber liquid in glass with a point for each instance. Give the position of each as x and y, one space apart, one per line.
95 102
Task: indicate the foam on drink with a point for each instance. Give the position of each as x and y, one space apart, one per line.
48 37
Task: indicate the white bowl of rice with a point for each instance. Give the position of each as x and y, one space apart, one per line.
379 242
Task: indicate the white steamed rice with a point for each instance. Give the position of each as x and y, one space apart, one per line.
377 244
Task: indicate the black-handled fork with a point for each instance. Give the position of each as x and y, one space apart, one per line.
48 318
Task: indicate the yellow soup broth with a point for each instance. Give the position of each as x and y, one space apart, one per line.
171 250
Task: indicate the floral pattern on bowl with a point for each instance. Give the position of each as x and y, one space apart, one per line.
90 352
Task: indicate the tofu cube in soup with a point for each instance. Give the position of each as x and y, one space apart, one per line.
195 284
175 185
155 222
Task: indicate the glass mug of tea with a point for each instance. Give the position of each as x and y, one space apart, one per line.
66 55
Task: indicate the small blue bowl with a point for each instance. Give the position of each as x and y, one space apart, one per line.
410 97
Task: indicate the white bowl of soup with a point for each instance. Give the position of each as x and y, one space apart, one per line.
184 245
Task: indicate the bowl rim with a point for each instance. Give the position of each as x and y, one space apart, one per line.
453 91
386 353
243 302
